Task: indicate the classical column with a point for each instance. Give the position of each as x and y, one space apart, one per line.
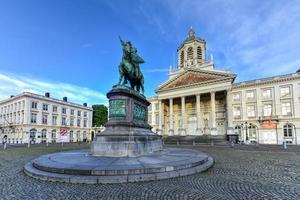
160 117
213 114
198 109
171 126
183 125
229 113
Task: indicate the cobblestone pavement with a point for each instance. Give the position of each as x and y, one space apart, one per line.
238 173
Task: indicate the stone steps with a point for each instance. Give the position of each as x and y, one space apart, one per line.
166 164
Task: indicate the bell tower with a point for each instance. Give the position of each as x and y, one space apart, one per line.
191 52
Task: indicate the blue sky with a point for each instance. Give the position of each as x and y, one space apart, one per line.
71 47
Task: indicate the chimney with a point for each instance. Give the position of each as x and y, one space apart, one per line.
65 99
11 96
47 94
85 104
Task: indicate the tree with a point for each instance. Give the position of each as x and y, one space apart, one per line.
99 115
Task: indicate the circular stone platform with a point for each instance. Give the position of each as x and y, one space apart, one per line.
82 167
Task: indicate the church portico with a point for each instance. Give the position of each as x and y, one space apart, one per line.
198 114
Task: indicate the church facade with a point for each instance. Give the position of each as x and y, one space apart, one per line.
198 99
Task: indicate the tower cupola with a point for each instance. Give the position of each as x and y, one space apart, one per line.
192 51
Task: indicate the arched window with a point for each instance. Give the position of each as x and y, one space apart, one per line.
190 53
78 136
32 135
288 130
252 132
181 58
53 135
44 135
84 136
71 136
238 131
199 52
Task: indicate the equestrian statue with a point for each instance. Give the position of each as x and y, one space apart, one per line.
129 67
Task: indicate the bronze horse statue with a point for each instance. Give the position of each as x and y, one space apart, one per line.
129 68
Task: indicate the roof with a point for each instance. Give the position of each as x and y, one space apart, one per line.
191 77
267 80
191 37
45 98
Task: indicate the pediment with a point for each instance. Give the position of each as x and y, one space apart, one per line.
195 77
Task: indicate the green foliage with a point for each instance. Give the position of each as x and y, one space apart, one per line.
100 113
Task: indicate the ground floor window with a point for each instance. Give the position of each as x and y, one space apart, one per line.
84 136
53 135
78 136
288 130
71 136
44 135
238 131
252 132
32 135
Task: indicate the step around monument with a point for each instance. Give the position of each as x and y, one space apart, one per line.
82 167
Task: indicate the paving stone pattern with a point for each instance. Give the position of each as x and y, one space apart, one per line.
238 173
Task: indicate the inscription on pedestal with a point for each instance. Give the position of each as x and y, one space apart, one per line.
117 108
139 112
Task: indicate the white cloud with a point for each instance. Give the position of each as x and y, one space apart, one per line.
11 84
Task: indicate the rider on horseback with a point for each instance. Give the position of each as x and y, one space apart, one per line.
136 60
129 68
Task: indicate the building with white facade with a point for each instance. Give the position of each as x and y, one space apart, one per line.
199 99
36 118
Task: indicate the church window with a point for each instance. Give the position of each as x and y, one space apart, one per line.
267 109
190 53
250 95
267 93
237 112
199 52
285 91
286 108
251 111
288 130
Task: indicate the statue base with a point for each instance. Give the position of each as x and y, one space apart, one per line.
127 132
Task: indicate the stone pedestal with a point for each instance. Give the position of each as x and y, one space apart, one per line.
127 131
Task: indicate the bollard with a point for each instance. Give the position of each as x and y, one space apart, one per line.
28 146
47 144
177 142
232 144
4 146
194 143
